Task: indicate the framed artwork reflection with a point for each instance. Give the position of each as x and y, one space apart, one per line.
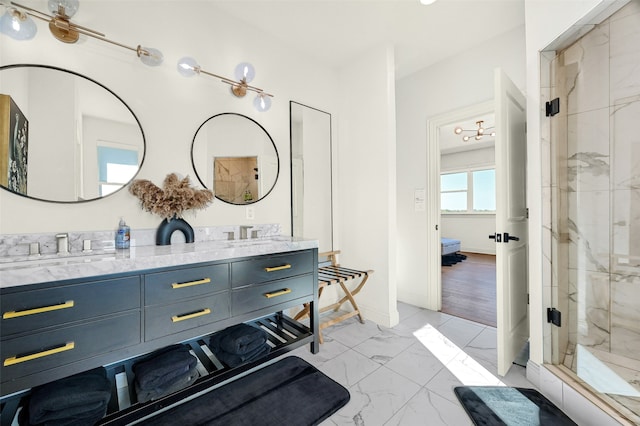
14 141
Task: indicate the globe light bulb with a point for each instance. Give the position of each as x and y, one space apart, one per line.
150 56
245 72
262 102
70 6
17 25
188 67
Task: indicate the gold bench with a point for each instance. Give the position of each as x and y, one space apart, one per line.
330 272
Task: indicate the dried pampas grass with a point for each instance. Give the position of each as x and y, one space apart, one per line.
173 199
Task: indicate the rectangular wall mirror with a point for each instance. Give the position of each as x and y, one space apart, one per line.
311 194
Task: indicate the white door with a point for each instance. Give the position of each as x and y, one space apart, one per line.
511 221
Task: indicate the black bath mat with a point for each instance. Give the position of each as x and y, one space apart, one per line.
502 405
288 392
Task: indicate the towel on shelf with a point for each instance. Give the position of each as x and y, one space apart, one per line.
178 383
77 400
234 359
163 367
241 338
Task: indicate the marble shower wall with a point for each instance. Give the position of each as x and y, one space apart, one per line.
596 141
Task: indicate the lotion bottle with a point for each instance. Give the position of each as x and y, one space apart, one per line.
123 235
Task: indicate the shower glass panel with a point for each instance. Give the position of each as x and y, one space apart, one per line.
595 209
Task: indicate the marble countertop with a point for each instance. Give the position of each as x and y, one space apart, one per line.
16 271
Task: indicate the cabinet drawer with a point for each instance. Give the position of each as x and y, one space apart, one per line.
167 287
31 310
27 355
271 267
169 319
260 296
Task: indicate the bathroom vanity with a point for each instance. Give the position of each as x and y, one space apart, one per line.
66 315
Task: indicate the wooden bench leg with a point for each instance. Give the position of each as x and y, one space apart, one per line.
348 296
303 313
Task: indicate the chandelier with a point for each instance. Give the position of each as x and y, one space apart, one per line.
478 133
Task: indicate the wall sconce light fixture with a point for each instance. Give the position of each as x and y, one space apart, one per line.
244 74
478 133
16 24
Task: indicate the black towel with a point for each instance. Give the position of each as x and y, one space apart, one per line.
178 383
233 360
240 339
77 400
163 366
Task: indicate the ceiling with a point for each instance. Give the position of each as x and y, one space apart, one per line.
334 31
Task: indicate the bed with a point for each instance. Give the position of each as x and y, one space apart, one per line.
450 251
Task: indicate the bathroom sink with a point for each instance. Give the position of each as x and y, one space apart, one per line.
54 260
254 242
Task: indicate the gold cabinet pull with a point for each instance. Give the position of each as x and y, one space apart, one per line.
277 268
16 314
277 293
18 359
190 283
178 318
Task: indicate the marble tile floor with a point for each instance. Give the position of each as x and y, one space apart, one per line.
395 380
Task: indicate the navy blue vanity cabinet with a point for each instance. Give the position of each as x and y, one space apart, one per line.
271 282
56 329
48 328
184 299
268 268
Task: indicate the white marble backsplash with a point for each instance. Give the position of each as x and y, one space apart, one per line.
18 245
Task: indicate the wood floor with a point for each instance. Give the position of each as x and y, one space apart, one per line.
469 289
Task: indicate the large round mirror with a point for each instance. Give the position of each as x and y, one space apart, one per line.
64 137
235 157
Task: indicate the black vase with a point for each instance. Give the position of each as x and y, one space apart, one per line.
169 226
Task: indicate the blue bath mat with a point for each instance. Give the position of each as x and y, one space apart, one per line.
288 392
506 406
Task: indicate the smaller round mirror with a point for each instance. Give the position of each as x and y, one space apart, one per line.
236 158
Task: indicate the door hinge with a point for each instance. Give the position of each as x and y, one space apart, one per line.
527 213
436 227
528 299
552 107
554 316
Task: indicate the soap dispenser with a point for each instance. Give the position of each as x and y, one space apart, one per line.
123 235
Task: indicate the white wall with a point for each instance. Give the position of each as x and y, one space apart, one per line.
367 179
170 107
460 81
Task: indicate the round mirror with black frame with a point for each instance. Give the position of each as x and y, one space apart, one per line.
64 137
235 157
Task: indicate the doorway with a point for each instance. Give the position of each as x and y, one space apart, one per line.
467 218
510 218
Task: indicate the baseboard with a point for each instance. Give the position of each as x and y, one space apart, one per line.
411 298
385 319
477 250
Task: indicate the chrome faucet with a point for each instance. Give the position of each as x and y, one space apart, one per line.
63 243
243 231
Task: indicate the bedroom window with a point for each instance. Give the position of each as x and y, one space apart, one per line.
471 191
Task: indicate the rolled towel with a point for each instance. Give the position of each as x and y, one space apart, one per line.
163 366
240 339
175 385
76 400
233 360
